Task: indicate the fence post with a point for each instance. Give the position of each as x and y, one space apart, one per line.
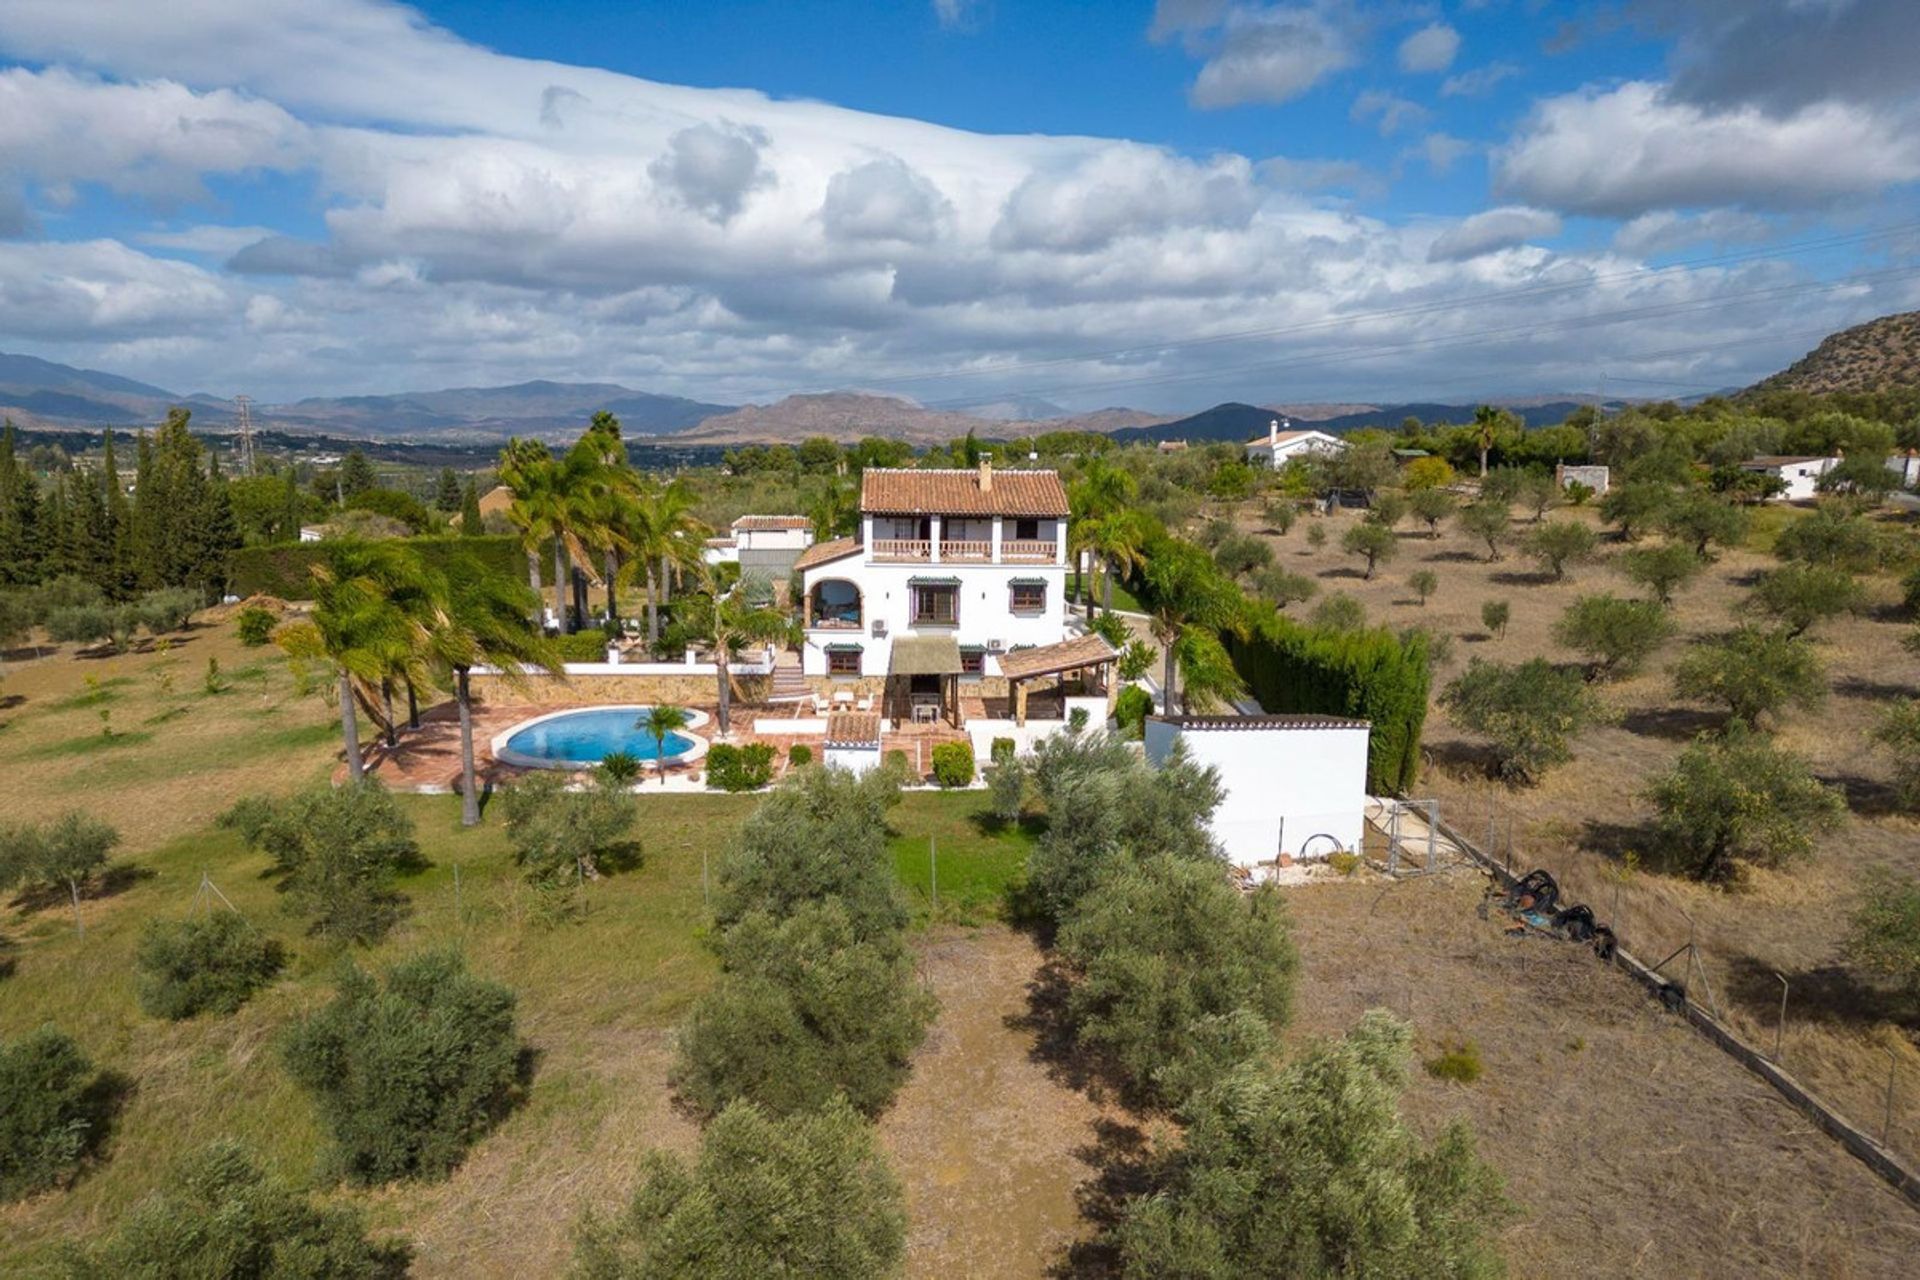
1886 1119
1780 1027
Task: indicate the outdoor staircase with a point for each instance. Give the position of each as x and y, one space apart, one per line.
789 685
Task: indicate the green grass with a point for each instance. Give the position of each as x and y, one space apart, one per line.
954 834
1768 521
1122 598
622 972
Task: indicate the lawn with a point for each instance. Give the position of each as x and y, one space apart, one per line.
1122 598
599 993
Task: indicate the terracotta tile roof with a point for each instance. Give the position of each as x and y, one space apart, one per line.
772 522
959 493
1247 723
1048 659
853 729
722 542
1779 460
1285 437
821 552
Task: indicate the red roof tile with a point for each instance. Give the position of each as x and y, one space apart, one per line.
1009 493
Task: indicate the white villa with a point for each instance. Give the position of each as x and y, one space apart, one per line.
1282 443
954 591
767 545
1800 475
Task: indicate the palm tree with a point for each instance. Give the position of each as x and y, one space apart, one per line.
1486 425
659 722
374 612
486 624
608 507
727 620
1118 539
526 468
664 532
1185 591
1101 493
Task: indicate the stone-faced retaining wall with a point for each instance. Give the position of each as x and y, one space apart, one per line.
678 689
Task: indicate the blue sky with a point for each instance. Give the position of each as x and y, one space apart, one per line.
1163 205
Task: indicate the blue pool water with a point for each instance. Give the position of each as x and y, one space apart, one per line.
588 737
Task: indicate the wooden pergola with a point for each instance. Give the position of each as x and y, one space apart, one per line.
1082 653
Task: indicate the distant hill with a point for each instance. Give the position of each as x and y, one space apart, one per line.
537 408
1240 422
845 416
1880 355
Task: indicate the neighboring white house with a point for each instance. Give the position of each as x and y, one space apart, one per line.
766 545
1801 476
950 571
1905 465
1280 444
1293 784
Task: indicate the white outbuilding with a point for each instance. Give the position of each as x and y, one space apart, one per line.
853 741
1294 784
1799 476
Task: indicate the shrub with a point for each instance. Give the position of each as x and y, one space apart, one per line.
1616 636
1427 475
799 755
953 764
211 963
1836 537
820 834
1112 628
1494 616
1159 946
1898 734
218 1215
1077 719
731 768
1135 660
1280 586
559 834
581 646
1007 789
409 1072
1002 751
619 768
255 625
1339 612
1343 863
1316 536
808 1195
1485 521
168 609
1740 799
336 851
1528 712
1374 543
1752 672
1579 493
1310 1168
1131 709
1280 515
1662 569
807 1008
1424 583
90 624
1884 935
1458 1062
1430 506
52 1111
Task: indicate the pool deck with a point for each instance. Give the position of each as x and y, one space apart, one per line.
427 760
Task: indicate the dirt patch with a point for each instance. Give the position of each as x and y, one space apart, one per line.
987 1141
1632 1145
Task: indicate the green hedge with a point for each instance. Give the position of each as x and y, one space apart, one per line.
1368 675
285 569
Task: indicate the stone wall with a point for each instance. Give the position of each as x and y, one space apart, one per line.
679 689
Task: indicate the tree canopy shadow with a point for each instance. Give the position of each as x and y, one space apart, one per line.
1124 1168
1521 578
115 880
1461 758
1872 690
1829 993
1343 571
1868 797
1454 557
1675 724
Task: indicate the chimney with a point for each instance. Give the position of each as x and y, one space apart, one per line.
986 474
1273 431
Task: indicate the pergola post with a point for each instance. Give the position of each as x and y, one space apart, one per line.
1020 702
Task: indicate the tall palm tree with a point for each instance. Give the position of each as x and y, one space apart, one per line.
664 533
527 469
1486 427
1118 541
1185 592
608 512
726 619
659 722
1102 491
486 624
374 612
580 479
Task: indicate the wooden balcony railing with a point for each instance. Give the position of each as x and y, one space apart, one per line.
980 551
902 549
1029 551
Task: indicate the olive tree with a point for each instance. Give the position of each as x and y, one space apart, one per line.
1739 799
62 854
1835 536
1634 507
1159 947
1751 671
336 851
1702 520
211 963
1309 1169
1528 712
53 1111
1558 543
559 834
1884 934
1485 521
1800 596
1374 543
802 1195
1662 570
1898 734
1615 636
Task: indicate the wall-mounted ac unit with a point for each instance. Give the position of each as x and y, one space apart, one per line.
879 628
996 646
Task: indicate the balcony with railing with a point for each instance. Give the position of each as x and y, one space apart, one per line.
902 549
964 550
967 550
1029 550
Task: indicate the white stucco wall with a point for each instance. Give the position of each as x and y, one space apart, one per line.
1276 455
856 760
773 539
1802 478
1283 785
984 615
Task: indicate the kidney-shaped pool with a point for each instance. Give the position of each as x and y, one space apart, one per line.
582 738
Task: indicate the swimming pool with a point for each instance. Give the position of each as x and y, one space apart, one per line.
583 738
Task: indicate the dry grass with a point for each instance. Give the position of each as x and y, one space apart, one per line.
1586 816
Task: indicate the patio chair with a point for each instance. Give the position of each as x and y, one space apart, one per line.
820 705
865 703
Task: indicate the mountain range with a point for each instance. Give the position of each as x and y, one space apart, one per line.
1880 355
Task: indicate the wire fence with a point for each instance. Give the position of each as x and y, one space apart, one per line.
1801 1037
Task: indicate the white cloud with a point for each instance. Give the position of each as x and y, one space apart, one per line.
1664 231
1491 231
1432 48
1394 112
1271 56
883 199
101 289
1124 191
712 168
954 15
1479 81
224 241
1625 151
1442 151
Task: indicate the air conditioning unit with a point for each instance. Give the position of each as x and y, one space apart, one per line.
996 646
879 629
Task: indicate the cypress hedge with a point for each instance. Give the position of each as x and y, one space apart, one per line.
1368 675
285 569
